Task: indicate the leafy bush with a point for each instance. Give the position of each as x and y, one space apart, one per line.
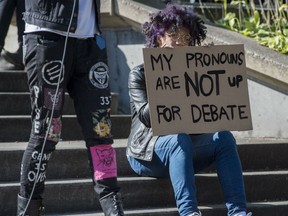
267 23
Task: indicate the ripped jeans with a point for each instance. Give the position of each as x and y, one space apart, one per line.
180 156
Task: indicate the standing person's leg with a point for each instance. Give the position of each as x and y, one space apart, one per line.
7 8
89 88
16 58
221 148
43 66
20 9
173 156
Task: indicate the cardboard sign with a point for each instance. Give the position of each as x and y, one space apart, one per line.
197 89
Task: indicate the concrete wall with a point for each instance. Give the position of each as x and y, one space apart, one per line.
124 52
269 112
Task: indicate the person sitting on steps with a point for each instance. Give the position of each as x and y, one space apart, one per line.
180 156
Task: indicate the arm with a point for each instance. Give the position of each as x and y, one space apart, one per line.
138 95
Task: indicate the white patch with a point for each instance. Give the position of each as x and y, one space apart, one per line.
36 94
51 72
98 75
215 136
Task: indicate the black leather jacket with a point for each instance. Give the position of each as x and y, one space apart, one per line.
55 14
140 141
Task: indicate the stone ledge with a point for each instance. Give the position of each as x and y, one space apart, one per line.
262 63
259 59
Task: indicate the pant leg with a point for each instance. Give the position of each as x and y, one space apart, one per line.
173 157
43 65
229 171
220 148
207 149
89 88
20 8
7 8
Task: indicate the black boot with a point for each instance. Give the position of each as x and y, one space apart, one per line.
15 58
35 207
112 204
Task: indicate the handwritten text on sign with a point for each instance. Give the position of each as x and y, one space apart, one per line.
197 89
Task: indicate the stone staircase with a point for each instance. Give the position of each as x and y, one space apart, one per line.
69 189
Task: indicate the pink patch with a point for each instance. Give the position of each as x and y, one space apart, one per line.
104 161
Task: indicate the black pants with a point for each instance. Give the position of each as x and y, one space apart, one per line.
7 8
84 74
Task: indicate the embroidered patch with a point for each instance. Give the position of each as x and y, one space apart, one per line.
51 72
104 161
55 130
36 125
98 75
102 123
50 97
35 95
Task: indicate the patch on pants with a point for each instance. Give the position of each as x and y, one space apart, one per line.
104 161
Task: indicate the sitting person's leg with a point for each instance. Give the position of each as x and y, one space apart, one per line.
221 148
173 157
229 171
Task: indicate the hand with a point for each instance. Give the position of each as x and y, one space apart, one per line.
208 44
169 46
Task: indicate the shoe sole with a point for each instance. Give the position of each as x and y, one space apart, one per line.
11 61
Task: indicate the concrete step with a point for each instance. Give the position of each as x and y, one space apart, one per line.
261 186
17 128
279 208
18 103
254 157
70 160
143 191
264 163
13 81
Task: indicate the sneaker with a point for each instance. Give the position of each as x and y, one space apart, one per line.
243 213
196 214
15 58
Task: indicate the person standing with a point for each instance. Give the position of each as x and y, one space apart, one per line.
180 156
63 50
7 8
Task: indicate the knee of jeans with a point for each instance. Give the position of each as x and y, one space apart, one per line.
37 142
184 141
227 138
135 165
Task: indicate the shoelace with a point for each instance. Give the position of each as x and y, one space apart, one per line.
117 209
41 210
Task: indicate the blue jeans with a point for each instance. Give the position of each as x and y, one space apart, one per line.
180 156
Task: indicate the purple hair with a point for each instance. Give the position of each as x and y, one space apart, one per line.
173 15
